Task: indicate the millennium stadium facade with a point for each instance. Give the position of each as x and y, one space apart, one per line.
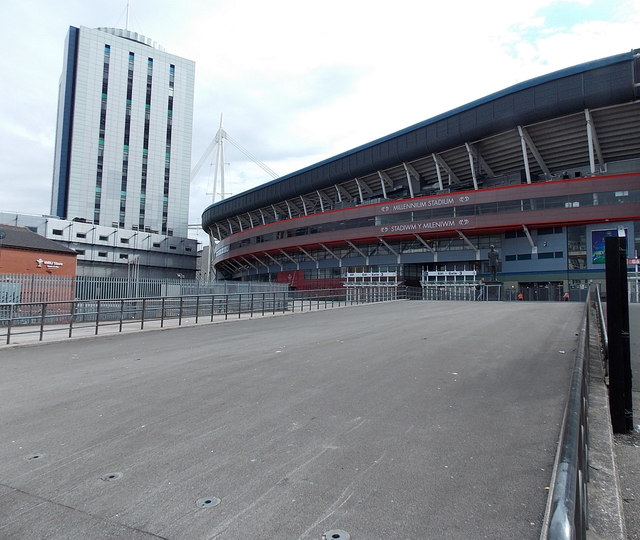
539 173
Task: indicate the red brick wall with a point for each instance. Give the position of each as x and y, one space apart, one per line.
22 261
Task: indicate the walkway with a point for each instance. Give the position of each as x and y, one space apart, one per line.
396 420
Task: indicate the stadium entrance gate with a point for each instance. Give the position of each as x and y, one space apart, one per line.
451 285
372 286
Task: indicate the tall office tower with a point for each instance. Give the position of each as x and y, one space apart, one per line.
123 139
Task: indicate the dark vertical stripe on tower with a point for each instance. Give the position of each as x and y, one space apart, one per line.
71 64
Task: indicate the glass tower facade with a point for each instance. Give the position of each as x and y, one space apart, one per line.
123 139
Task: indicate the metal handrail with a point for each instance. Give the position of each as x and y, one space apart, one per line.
602 324
69 316
567 507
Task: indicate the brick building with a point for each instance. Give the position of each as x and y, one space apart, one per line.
25 252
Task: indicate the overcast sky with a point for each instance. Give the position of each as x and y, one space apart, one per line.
297 81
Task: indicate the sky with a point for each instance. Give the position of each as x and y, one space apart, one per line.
295 81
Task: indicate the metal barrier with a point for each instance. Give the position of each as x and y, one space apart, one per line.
47 288
70 316
602 329
467 292
567 507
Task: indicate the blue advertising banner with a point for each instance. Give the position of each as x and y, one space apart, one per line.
597 243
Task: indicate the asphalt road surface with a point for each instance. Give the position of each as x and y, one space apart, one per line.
408 420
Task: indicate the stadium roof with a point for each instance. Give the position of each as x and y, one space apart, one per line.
550 112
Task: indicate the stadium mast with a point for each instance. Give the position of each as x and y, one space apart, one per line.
218 143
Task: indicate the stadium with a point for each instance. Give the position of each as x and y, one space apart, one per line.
538 174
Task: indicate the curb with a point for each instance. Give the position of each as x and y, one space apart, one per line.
606 516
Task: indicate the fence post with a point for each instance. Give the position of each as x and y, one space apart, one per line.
42 316
73 313
121 314
162 313
180 313
213 302
197 307
9 324
144 306
97 317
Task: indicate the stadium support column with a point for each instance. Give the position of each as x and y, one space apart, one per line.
525 157
472 166
396 253
593 142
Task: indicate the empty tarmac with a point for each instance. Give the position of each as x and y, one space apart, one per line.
396 420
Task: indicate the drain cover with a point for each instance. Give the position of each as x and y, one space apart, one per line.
111 476
207 502
336 534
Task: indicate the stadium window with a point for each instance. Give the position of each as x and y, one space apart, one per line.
57 232
81 235
549 230
103 237
156 244
102 253
524 257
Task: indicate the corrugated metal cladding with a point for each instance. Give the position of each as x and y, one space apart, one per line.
608 81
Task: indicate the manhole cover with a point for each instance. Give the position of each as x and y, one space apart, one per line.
207 502
336 534
111 476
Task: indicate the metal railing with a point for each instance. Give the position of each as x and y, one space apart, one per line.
467 292
45 288
602 329
567 508
40 318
